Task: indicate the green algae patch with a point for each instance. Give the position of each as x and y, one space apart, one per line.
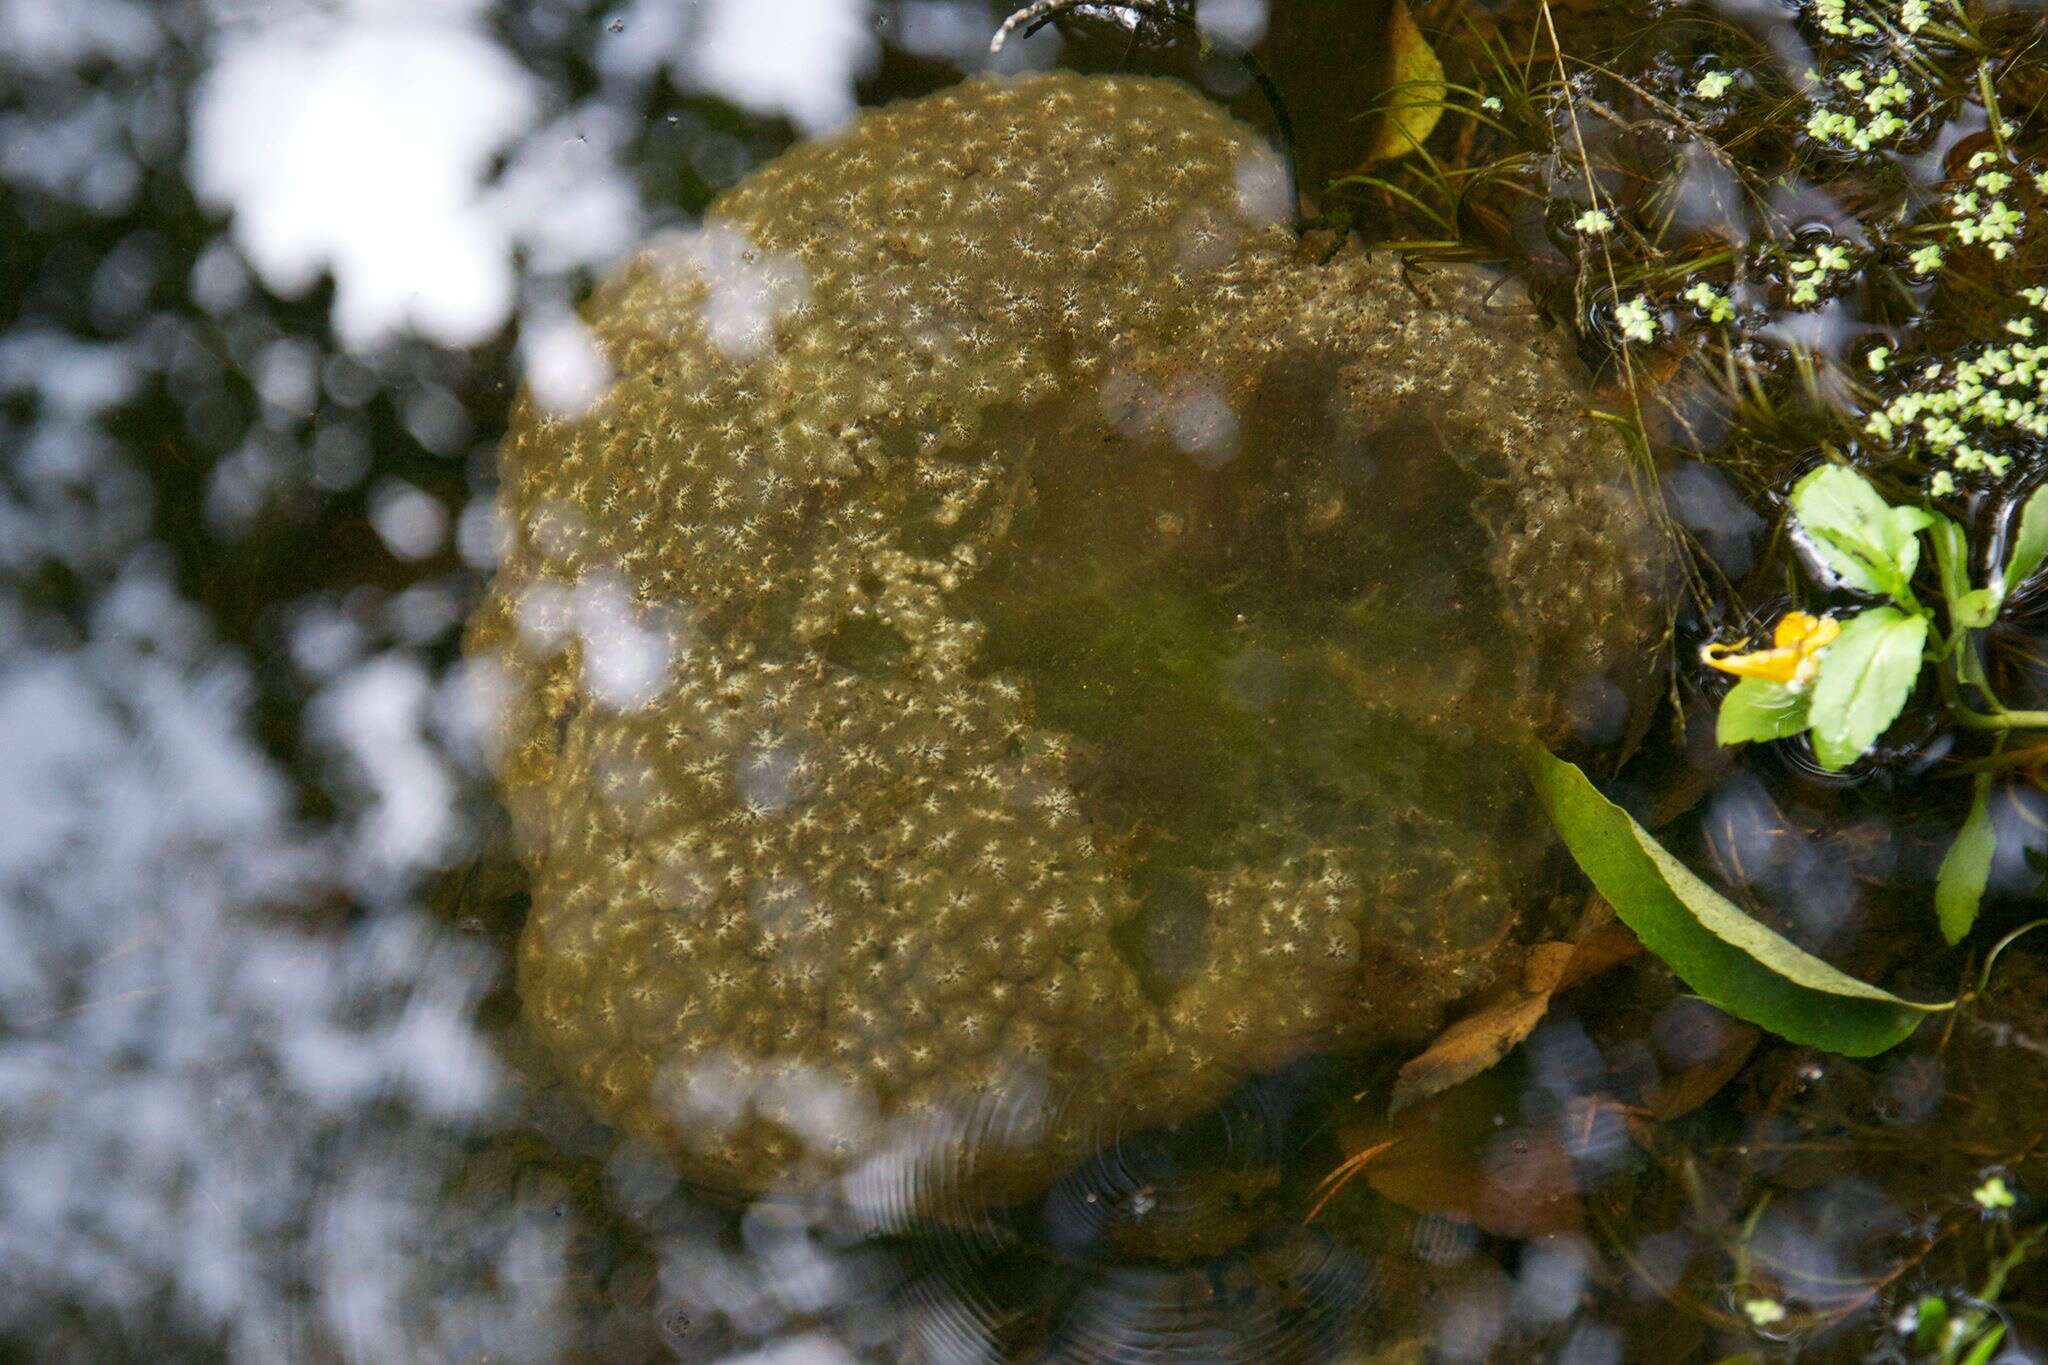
1737 964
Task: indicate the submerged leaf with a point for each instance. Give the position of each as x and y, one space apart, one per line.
1452 1156
1733 961
1474 1043
1676 1095
1759 709
1966 867
1416 90
1865 678
1468 1047
2030 544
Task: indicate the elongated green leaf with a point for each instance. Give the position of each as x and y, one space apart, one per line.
1968 608
1866 540
1966 867
1759 709
1865 677
1986 1347
1736 963
1930 1322
2030 543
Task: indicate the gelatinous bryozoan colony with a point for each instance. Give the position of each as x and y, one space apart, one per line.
1021 644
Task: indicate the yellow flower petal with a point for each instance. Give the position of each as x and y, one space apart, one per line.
1794 657
1797 630
1775 665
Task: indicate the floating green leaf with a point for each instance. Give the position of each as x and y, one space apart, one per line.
1759 709
1736 963
1966 867
1870 543
1865 677
2030 544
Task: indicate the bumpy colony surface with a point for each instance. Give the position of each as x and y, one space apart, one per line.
1021 644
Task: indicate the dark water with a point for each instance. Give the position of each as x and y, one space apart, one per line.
273 276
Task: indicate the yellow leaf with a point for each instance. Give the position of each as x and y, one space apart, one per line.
1415 90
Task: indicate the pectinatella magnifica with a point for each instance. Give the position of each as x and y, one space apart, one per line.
1021 644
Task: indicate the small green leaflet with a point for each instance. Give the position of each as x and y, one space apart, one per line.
1968 608
1757 709
1733 961
1975 609
1871 544
2030 544
1966 867
1865 677
1930 1322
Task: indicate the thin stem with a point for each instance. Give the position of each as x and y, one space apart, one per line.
2001 719
1990 958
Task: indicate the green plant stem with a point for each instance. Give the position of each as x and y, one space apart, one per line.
1991 958
2001 719
1943 657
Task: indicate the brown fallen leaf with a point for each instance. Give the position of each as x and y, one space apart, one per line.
1479 1040
1679 1094
1452 1156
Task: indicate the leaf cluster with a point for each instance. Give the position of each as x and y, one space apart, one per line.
1869 671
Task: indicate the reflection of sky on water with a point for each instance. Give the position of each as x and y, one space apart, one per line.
238 1055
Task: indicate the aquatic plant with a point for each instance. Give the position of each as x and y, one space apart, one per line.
1023 642
1847 681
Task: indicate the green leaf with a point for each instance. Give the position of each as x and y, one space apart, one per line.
1970 667
1974 609
1759 709
1865 677
1870 543
1966 867
2030 545
1968 608
1736 963
1930 1322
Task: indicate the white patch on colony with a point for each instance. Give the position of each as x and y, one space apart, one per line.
746 290
626 650
1203 425
1263 193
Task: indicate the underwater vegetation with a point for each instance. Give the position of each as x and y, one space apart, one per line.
1022 642
1803 244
